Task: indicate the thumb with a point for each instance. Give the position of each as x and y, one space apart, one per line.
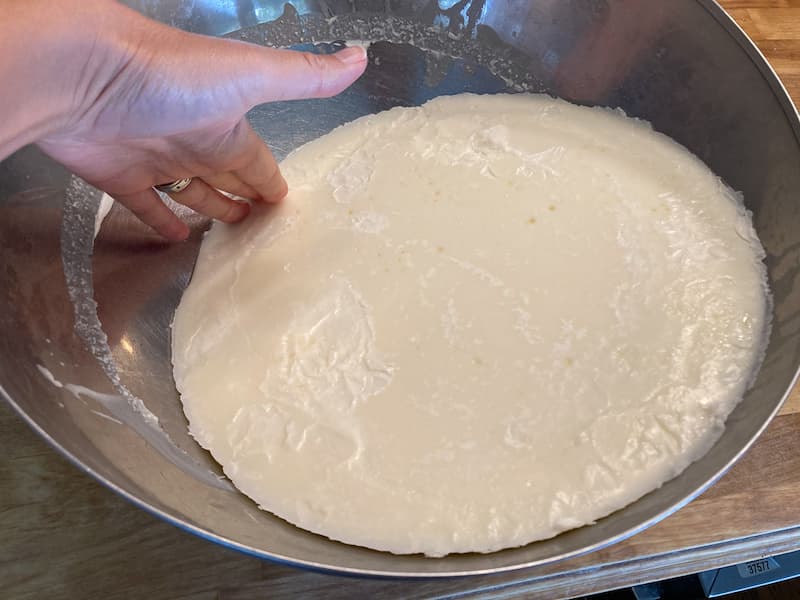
292 75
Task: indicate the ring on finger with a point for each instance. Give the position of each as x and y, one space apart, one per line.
204 199
174 187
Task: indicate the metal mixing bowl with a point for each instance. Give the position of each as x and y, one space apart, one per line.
101 320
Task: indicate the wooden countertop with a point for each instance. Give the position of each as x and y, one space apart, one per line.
62 535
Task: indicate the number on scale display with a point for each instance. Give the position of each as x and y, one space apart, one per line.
757 567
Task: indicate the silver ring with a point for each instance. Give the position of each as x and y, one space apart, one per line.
176 186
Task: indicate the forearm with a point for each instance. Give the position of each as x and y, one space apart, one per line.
53 55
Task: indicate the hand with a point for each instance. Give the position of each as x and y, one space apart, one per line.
155 104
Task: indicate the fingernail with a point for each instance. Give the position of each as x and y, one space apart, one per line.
352 55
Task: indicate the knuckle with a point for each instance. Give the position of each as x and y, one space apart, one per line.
150 211
233 212
197 202
269 170
262 171
314 62
205 204
318 72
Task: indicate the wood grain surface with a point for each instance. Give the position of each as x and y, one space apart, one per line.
62 535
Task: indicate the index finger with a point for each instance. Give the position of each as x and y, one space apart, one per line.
260 170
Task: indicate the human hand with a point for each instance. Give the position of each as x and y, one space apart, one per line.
156 104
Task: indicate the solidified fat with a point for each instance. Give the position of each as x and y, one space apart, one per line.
472 325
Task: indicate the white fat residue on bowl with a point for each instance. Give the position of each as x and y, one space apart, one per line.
105 206
121 411
83 210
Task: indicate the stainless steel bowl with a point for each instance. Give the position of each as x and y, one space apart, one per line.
72 318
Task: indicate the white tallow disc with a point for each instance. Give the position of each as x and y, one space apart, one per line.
472 325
